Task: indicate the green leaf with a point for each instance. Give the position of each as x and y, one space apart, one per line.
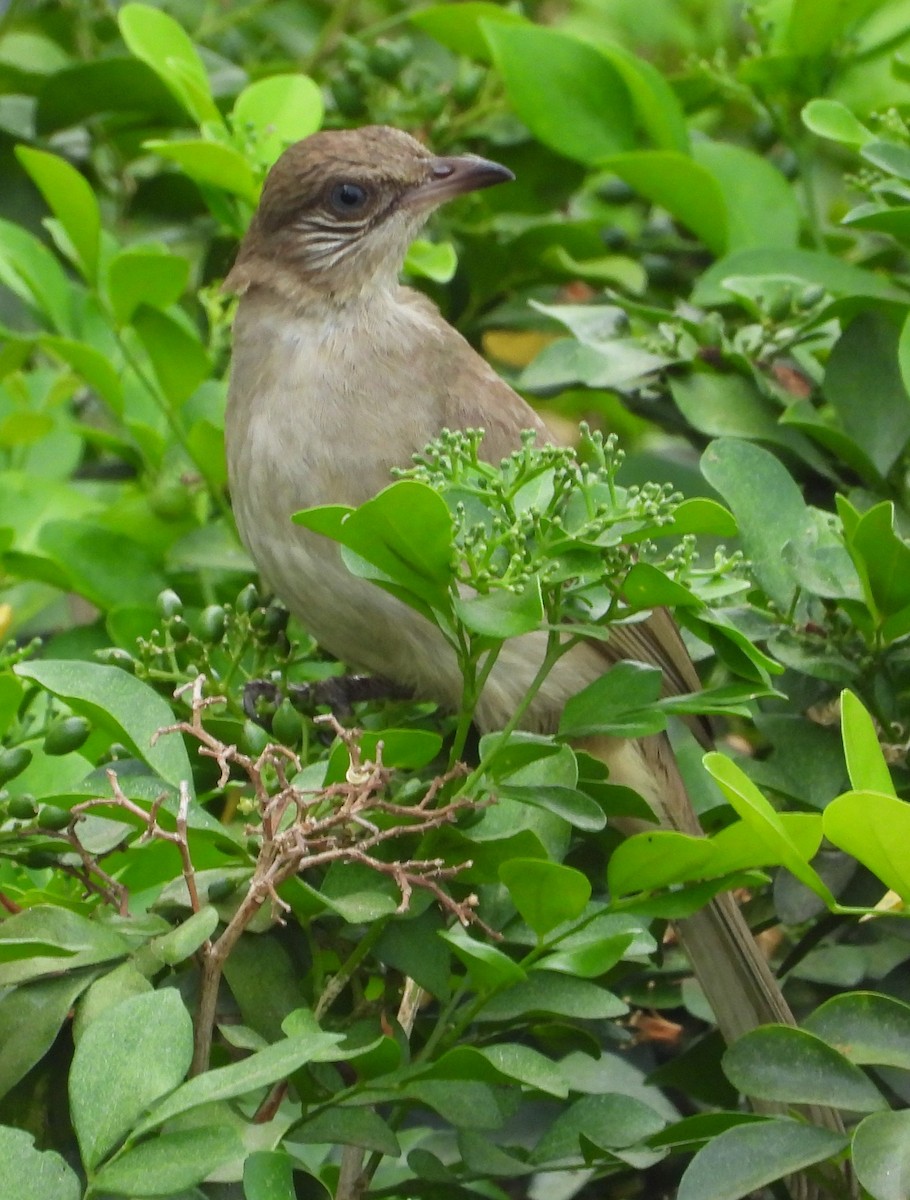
488 966
31 1174
94 367
768 506
882 560
177 946
778 1062
610 1122
211 164
30 270
129 1057
458 26
647 861
864 385
464 1103
546 894
865 1027
130 709
273 112
144 275
656 105
405 531
567 93
157 39
765 823
835 275
268 1175
431 260
682 186
889 157
866 763
275 1062
833 120
527 1066
614 704
547 992
814 26
761 207
72 201
169 1163
31 1017
115 84
881 1155
731 406
88 943
339 1126
178 358
745 1158
874 828
502 613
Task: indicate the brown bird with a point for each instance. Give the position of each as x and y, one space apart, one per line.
341 374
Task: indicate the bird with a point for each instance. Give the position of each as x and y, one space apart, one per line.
339 375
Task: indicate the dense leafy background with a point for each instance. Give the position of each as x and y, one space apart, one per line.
705 252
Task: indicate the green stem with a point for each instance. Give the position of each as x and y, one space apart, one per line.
339 980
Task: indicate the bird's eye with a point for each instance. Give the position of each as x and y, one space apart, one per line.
348 197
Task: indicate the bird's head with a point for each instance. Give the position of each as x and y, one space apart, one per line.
339 209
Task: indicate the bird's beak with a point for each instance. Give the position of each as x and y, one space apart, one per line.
450 177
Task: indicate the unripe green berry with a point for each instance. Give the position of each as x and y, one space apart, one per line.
66 735
13 762
169 604
52 817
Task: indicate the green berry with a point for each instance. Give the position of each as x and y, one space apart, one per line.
179 630
66 735
253 738
13 762
23 807
113 656
287 724
212 623
248 599
169 604
52 817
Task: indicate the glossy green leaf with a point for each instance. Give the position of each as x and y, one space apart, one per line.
502 613
32 1174
268 1175
566 92
259 1070
212 164
130 1056
129 708
458 26
464 1103
610 1122
547 992
765 823
487 965
339 1126
836 276
833 120
863 383
683 187
31 1017
273 112
647 861
170 1162
813 26
768 507
88 943
778 1062
72 201
890 157
527 1066
866 763
158 40
874 828
179 359
865 1027
656 104
113 84
743 1159
30 270
405 531
546 894
145 276
881 1155
761 206
431 260
616 703
94 367
185 940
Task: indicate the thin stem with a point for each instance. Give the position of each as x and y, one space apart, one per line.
336 985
